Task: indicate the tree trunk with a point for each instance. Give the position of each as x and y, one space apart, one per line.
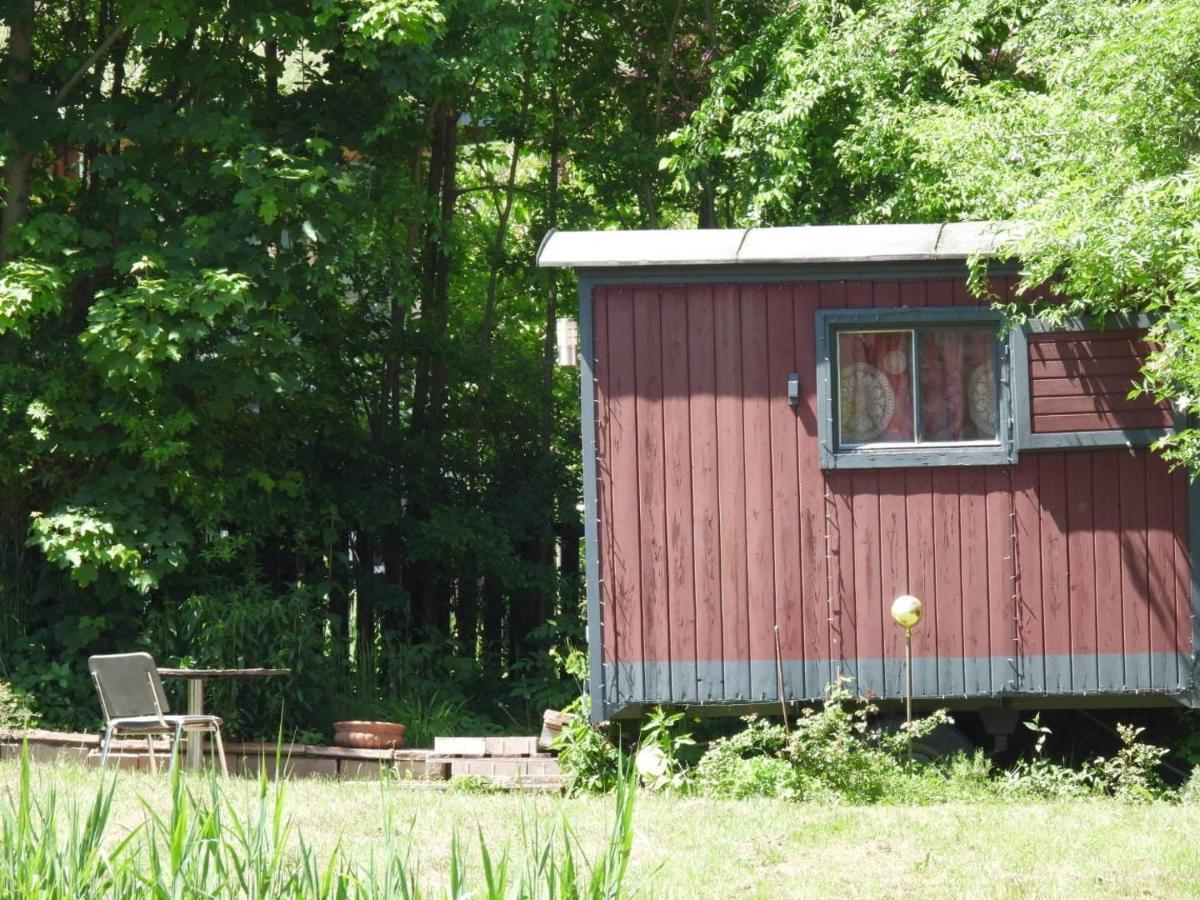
364 639
493 624
467 613
570 536
430 609
708 200
16 170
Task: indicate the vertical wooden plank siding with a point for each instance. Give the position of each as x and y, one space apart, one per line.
836 546
948 586
1081 572
1052 479
812 504
604 476
652 511
731 493
785 478
893 568
677 438
1135 615
973 562
1106 524
1160 551
1002 604
706 511
760 544
625 572
1031 638
1182 572
1066 573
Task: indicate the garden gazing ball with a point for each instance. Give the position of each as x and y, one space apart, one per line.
906 611
651 762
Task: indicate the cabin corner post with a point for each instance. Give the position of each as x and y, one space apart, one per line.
591 506
1192 696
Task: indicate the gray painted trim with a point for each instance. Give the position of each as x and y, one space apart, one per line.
920 455
776 273
883 679
591 512
1114 322
1026 437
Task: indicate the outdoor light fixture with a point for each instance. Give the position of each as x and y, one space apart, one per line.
906 612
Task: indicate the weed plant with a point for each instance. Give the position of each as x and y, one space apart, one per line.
840 754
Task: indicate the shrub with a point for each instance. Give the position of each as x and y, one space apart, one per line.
586 756
1042 777
16 714
661 748
832 753
1132 774
1189 793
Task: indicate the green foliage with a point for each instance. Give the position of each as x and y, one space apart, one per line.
216 629
205 845
1077 119
831 754
662 745
1131 774
245 356
587 756
1044 777
16 714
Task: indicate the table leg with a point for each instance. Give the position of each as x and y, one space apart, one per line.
195 739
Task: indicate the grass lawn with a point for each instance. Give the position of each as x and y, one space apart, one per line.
693 847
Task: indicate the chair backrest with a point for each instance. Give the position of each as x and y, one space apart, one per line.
128 684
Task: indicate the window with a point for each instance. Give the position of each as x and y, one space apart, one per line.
910 387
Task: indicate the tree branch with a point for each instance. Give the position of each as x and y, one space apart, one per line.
71 83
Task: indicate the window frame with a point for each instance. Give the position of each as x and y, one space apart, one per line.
830 322
1027 439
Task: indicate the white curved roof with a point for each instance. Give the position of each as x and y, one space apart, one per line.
766 246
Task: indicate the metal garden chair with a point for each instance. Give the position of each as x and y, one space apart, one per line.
133 701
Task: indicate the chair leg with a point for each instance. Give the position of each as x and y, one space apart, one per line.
220 751
175 747
107 745
150 747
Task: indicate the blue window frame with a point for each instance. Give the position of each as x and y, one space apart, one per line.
880 402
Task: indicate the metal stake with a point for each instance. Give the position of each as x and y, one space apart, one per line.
909 679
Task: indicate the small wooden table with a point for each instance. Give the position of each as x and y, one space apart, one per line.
195 699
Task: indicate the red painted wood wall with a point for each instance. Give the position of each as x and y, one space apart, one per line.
1079 381
1065 573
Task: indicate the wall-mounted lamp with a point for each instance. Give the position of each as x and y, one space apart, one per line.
794 389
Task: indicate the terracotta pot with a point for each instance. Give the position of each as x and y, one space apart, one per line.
369 735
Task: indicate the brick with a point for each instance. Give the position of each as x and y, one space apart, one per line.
510 746
132 762
434 768
59 753
548 783
504 768
248 765
460 746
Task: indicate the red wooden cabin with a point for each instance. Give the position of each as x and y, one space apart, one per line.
787 428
